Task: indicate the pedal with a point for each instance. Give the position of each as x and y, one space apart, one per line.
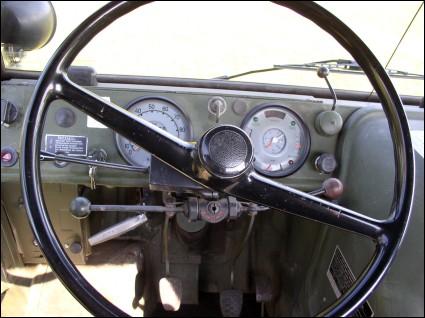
171 290
231 301
263 289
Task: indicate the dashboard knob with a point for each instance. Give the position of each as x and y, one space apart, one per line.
326 163
80 207
217 106
9 113
333 188
226 152
75 247
322 71
65 117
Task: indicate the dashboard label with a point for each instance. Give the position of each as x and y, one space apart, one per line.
93 123
66 144
342 278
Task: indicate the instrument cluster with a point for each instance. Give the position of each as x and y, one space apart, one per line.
280 137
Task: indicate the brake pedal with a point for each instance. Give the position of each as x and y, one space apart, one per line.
171 290
231 301
263 289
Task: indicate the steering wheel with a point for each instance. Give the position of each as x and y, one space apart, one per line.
199 162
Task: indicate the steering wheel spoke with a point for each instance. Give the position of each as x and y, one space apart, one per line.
278 196
158 142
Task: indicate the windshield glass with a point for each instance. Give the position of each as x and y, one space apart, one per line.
207 40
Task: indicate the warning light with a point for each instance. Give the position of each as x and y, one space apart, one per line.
6 156
9 156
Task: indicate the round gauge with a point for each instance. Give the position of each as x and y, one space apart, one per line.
280 138
163 113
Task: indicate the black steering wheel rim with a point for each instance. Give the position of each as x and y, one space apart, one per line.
49 88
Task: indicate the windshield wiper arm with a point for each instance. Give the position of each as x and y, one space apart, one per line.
335 65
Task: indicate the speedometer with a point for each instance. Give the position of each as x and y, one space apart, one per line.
160 111
280 138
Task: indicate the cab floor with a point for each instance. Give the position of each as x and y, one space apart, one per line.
34 291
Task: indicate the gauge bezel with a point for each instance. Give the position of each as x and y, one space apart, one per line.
306 138
154 97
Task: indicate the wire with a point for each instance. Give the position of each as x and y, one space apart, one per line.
402 37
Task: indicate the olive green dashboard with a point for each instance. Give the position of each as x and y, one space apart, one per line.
195 105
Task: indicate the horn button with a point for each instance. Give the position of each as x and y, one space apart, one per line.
226 152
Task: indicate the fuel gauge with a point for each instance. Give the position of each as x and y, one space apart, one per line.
274 141
280 138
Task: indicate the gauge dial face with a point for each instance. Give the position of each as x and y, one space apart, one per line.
280 138
161 112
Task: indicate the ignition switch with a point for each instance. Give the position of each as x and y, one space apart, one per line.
214 211
217 106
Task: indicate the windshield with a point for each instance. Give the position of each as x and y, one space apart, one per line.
208 40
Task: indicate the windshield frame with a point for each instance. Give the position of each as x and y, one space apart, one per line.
319 91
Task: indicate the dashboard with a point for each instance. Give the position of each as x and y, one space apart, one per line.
282 127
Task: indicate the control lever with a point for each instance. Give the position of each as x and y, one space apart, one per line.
81 207
117 229
328 123
332 188
47 156
323 72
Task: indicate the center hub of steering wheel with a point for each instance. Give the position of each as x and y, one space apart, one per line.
226 152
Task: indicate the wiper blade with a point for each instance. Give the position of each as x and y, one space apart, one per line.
351 66
336 65
397 73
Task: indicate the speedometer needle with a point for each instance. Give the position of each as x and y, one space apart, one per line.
274 140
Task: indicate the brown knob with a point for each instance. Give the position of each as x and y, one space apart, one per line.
333 188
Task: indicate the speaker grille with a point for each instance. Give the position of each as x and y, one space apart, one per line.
228 149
